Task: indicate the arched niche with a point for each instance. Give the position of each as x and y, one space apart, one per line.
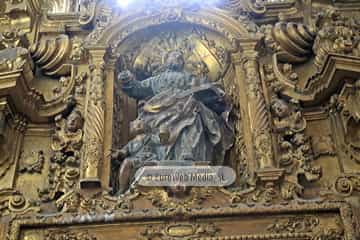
129 41
206 54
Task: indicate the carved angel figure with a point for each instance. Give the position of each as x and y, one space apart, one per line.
68 136
182 118
287 119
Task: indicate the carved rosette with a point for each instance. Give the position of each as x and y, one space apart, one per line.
14 203
347 185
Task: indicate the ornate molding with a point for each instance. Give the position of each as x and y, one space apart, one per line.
111 31
180 230
67 234
207 230
346 185
264 11
17 78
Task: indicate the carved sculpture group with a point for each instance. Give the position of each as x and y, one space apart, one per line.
181 118
270 88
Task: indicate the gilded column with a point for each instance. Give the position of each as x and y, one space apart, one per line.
94 121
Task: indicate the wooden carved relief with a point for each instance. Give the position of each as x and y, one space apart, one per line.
91 91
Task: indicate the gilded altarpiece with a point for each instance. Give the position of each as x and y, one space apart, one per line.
287 76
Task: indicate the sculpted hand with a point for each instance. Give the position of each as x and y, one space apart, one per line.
126 76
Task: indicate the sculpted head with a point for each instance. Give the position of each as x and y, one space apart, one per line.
280 108
138 127
175 61
74 121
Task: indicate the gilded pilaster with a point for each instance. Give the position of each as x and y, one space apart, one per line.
94 121
258 113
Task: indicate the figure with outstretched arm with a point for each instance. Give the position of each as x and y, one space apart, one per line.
133 88
187 112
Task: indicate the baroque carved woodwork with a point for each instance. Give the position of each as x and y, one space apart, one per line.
92 90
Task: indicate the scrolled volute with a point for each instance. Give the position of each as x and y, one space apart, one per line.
51 54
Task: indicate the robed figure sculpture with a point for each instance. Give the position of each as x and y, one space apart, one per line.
181 118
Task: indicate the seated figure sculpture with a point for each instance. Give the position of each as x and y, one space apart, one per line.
183 118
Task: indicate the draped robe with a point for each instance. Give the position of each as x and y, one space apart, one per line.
194 117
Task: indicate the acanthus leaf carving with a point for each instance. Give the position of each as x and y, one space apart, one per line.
68 234
346 185
294 224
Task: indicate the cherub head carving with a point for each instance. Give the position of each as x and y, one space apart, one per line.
137 127
74 121
280 108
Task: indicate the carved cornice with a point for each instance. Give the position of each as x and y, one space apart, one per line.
322 85
15 81
340 210
264 11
